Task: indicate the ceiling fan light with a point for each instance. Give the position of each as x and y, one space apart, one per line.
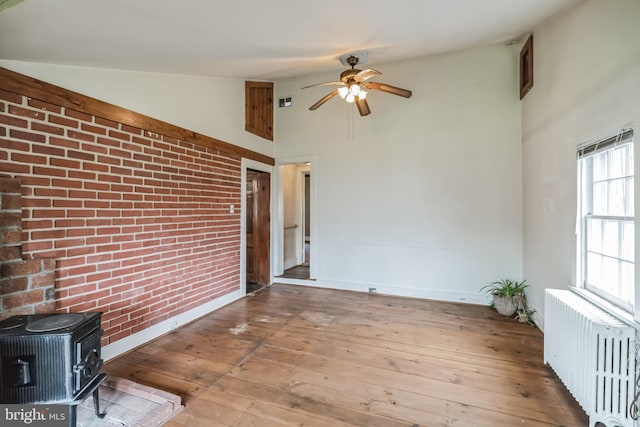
350 97
354 89
362 95
343 91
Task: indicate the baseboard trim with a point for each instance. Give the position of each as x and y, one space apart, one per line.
433 294
136 340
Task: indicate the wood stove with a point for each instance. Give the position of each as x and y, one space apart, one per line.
51 359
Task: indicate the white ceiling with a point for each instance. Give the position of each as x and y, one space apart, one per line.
255 39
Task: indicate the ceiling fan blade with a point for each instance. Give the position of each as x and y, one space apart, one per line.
325 84
365 75
389 89
324 99
363 107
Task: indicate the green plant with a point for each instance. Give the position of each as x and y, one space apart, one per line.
508 288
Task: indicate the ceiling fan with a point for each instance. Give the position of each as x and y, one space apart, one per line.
354 85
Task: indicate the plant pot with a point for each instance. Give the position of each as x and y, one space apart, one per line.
505 305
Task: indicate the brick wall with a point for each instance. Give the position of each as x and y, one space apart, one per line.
137 222
26 287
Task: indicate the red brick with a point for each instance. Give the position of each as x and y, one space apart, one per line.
95 166
93 129
14 284
131 147
81 155
47 213
41 170
67 223
83 306
10 201
33 203
10 96
96 204
49 307
131 129
80 135
96 186
81 232
10 253
94 149
27 136
65 203
24 112
28 158
13 121
10 237
81 175
9 185
47 234
78 115
43 280
109 160
105 122
66 143
119 135
50 192
65 163
44 106
121 171
66 183
109 178
22 299
19 268
63 121
67 243
65 264
40 127
48 264
82 290
10 220
48 150
32 225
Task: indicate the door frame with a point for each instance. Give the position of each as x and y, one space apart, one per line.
246 164
278 222
302 172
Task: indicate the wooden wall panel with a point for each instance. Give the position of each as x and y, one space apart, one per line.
259 109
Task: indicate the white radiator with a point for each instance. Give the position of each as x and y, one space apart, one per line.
593 353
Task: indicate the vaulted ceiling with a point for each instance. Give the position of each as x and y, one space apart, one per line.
257 39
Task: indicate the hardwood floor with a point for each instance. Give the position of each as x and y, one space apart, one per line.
300 356
301 271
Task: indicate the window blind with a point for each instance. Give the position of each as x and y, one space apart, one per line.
621 136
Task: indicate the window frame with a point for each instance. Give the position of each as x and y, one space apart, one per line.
585 199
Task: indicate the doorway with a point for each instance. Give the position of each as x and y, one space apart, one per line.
296 201
257 230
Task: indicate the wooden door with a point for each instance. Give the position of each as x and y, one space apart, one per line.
258 224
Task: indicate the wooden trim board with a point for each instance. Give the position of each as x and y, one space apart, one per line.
43 91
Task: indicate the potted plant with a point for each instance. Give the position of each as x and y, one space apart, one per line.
509 297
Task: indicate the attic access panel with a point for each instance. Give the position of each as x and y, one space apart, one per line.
258 113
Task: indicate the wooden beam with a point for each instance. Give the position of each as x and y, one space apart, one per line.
43 91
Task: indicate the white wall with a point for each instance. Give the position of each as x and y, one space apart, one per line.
424 198
207 105
586 83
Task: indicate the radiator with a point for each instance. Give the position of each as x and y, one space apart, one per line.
593 353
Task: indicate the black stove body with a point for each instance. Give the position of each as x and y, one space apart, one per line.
49 358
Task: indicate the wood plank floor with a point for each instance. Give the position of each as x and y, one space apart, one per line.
301 356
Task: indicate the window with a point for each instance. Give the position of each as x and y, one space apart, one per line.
605 210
